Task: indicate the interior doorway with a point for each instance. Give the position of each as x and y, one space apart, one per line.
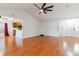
11 33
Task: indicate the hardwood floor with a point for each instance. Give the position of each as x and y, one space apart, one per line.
36 46
70 40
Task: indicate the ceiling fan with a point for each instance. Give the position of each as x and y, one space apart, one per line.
44 9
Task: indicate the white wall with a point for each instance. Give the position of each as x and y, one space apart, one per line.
30 24
50 28
62 27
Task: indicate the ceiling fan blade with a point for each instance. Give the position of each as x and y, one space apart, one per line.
49 10
39 12
44 11
49 7
36 6
43 5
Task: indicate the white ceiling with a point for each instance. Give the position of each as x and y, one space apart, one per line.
60 11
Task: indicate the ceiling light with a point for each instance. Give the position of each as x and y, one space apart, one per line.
41 10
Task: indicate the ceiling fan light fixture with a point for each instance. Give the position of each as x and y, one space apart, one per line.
41 10
44 9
